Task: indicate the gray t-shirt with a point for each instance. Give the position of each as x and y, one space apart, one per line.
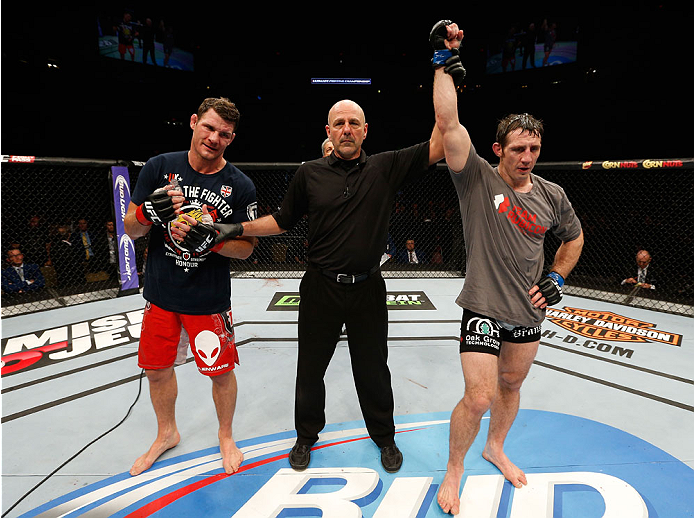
504 239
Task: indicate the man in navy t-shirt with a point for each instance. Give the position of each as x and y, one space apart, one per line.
189 286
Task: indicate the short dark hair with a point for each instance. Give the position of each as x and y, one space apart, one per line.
523 121
224 108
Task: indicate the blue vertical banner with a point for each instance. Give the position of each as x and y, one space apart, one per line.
126 248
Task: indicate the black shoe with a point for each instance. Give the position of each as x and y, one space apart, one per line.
300 456
391 458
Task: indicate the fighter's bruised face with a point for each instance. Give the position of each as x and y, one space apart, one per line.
346 129
211 135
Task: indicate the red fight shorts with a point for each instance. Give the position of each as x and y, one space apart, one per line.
122 49
211 340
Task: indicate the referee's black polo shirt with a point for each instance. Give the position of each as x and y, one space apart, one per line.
349 204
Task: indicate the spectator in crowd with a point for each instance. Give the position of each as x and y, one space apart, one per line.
449 223
64 259
300 252
411 255
10 245
107 250
644 276
327 147
390 250
415 214
83 241
34 241
398 219
437 255
21 277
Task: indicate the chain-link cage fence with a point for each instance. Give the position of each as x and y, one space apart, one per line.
425 237
59 228
628 206
624 206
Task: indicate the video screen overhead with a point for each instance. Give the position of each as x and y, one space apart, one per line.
533 44
144 36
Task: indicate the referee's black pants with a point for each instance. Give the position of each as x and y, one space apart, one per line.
324 306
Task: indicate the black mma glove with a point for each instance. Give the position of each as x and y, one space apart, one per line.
438 34
157 208
204 236
551 288
448 58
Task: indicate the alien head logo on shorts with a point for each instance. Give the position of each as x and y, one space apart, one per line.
208 347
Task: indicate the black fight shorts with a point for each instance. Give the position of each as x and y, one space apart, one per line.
482 334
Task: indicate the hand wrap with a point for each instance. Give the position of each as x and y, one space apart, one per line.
551 288
448 58
157 208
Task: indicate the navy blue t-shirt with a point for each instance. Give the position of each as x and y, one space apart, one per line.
178 280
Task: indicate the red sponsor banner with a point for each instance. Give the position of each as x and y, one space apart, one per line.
650 164
626 164
21 159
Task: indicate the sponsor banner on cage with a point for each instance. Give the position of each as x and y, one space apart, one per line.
289 301
635 164
574 467
20 159
126 248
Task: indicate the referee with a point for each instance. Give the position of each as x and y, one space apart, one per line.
347 196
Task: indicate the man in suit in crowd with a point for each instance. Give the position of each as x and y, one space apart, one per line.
644 274
66 260
411 255
84 244
20 277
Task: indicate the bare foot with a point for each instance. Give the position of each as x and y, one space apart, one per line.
231 455
159 446
512 472
449 493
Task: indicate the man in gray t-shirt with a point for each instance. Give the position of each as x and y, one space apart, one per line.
504 233
506 213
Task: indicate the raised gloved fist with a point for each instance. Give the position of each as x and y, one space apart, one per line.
439 34
443 56
209 236
158 208
551 288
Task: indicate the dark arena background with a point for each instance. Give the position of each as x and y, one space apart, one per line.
616 102
617 117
